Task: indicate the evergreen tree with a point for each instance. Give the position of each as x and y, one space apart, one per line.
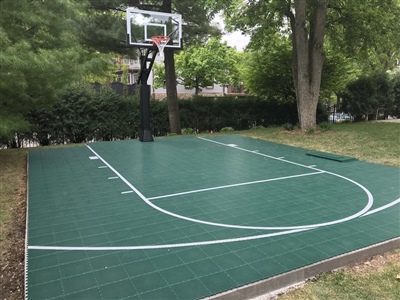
39 56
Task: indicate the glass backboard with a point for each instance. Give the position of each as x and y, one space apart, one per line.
142 25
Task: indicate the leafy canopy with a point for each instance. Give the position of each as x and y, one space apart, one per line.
200 66
39 51
39 55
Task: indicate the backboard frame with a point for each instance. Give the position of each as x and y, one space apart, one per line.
143 39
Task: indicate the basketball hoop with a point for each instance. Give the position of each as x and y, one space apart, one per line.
160 41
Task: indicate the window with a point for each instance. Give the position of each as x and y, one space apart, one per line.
131 78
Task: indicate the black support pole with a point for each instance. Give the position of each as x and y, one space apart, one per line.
145 131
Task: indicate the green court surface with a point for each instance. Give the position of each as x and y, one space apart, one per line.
190 217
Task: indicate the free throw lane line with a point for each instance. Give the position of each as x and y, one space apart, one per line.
232 185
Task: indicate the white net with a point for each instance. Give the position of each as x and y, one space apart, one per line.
160 42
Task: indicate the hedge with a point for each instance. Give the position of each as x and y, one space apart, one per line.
82 114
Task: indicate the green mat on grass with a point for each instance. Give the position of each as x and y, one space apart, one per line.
331 156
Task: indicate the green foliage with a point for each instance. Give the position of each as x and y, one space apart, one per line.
227 129
325 126
338 71
367 31
310 130
187 131
9 125
200 66
82 115
159 75
103 27
267 71
159 117
360 37
239 113
40 53
370 95
395 81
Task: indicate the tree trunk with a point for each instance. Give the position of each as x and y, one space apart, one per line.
197 86
172 95
308 58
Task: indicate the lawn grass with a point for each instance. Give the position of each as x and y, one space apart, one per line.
371 281
371 142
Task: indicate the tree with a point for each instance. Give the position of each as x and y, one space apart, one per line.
267 71
202 66
307 22
104 26
369 96
308 56
39 55
367 31
395 78
338 71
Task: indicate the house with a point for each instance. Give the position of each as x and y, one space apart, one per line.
131 67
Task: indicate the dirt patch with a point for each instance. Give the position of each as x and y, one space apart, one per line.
375 264
12 255
302 132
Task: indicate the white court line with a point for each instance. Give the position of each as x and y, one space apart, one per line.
261 154
115 177
148 202
233 185
148 247
102 167
167 246
381 208
127 192
204 242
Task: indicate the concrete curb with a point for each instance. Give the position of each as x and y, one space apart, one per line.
272 286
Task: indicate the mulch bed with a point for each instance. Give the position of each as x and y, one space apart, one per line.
12 254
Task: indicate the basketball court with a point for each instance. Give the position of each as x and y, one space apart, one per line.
192 217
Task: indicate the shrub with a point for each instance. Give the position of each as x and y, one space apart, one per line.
310 131
227 129
325 126
187 131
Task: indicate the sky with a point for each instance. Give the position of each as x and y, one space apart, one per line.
236 39
233 39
